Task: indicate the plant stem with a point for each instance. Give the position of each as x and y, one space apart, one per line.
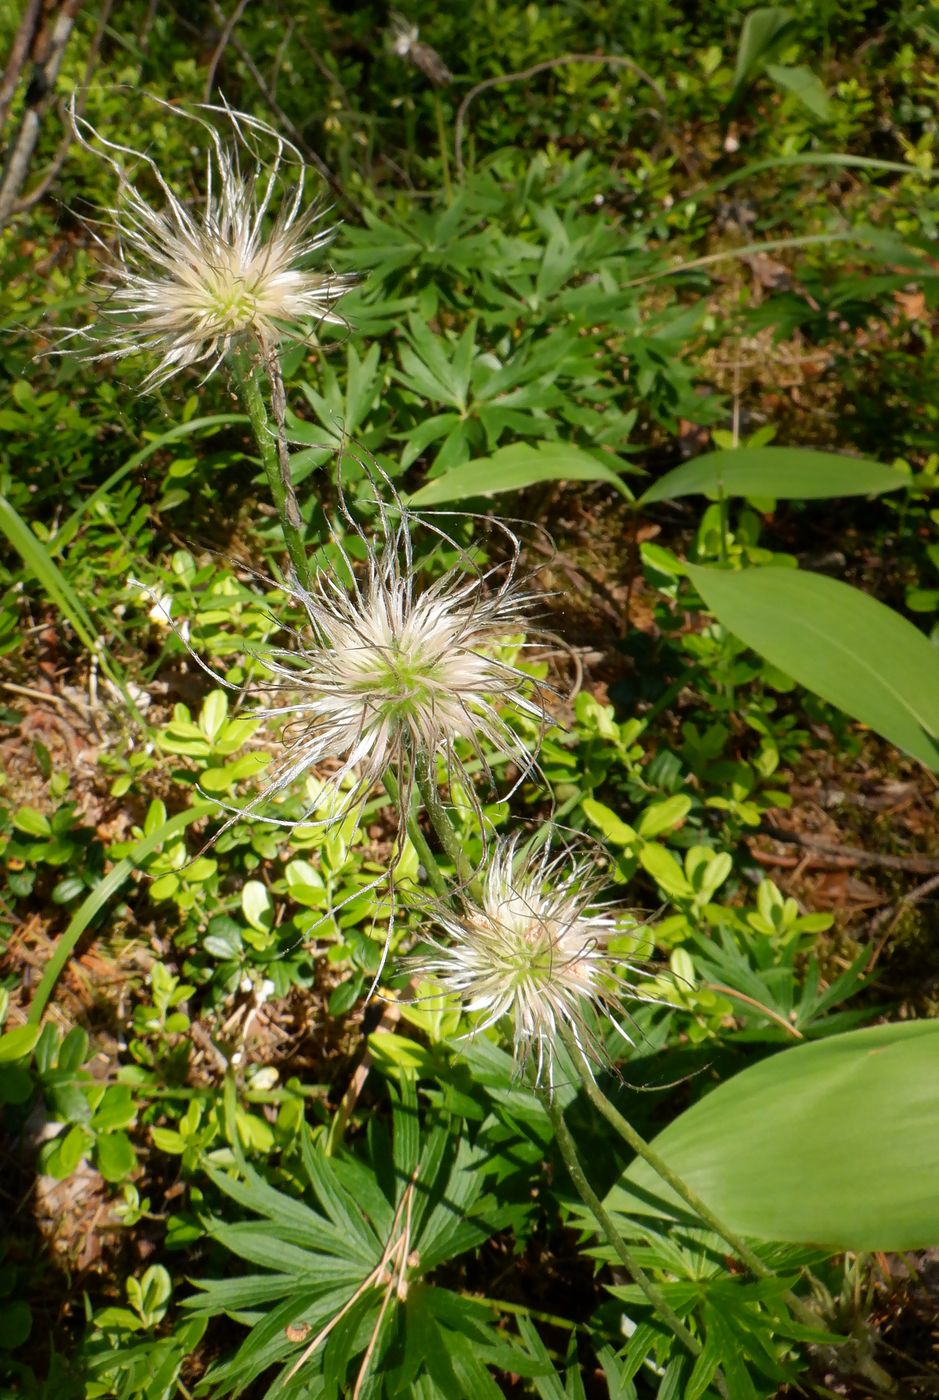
444 153
272 446
446 833
757 1266
606 1227
419 841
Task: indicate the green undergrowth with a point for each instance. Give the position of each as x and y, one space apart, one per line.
620 270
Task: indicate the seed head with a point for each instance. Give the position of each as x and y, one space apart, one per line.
388 673
405 43
535 950
190 283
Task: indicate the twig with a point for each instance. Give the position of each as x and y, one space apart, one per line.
228 29
614 60
47 51
337 1128
65 145
891 916
22 42
916 865
296 135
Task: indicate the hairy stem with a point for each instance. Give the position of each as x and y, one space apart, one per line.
272 446
418 840
757 1266
446 833
606 1228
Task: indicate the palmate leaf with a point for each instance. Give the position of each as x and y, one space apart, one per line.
321 1256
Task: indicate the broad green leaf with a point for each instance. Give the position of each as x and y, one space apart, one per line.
764 30
835 1143
838 642
515 467
257 905
214 712
665 871
16 1321
115 1156
18 1042
803 84
785 473
662 816
615 830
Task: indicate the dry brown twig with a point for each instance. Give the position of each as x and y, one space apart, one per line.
40 42
65 145
390 1274
917 865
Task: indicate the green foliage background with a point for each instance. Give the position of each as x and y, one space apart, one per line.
717 250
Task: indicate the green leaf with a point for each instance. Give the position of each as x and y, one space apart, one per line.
838 642
835 1143
214 713
803 84
664 815
17 1043
613 828
58 589
784 473
115 1157
764 31
520 465
99 896
16 1084
116 1109
16 1321
33 822
257 906
60 1157
665 870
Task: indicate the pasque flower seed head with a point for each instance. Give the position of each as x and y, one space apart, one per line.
191 282
390 672
534 949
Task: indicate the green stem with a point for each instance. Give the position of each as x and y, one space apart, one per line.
606 1227
446 833
418 840
444 153
757 1266
272 447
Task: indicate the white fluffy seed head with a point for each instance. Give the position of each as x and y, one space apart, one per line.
189 284
389 673
534 950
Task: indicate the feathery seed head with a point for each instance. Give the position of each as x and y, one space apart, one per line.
189 285
535 949
387 674
405 43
